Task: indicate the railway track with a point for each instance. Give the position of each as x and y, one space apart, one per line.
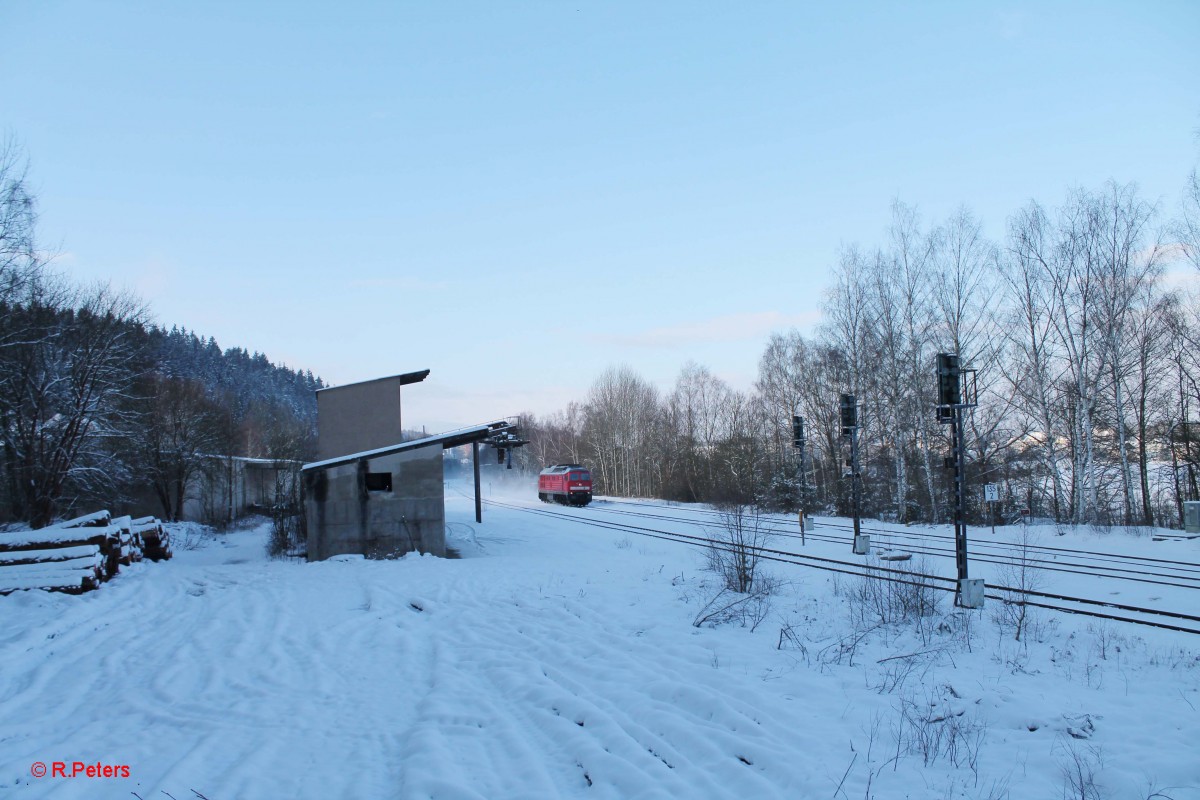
1054 601
1136 569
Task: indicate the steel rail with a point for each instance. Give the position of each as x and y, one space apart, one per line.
917 534
787 557
1181 571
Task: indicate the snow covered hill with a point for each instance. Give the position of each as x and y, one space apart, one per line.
560 660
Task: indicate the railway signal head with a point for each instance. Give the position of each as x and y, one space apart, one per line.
849 409
797 431
949 383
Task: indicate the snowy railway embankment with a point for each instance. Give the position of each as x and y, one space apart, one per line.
559 659
1036 570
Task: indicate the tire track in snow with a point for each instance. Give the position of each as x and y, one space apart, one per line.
579 702
216 666
381 679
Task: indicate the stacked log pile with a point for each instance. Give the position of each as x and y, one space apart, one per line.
72 569
77 555
128 550
155 541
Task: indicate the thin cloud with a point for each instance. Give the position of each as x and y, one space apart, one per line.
727 328
1182 276
1169 252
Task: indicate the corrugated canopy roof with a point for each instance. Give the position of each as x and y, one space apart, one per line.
476 433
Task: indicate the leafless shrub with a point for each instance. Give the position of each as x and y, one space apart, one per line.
285 534
789 639
845 647
960 626
744 594
1155 792
932 728
1106 639
747 609
286 515
891 598
1080 770
997 790
735 551
1018 578
1174 658
896 671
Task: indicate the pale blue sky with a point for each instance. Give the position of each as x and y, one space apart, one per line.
517 195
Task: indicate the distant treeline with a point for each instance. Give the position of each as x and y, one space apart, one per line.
1088 375
97 404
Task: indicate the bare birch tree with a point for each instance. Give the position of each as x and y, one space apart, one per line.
1130 268
620 415
1188 226
20 261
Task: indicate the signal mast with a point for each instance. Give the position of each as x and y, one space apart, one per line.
957 394
798 442
848 406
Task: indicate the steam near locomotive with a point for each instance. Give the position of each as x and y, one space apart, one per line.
565 483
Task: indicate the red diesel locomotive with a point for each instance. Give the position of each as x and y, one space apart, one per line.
565 483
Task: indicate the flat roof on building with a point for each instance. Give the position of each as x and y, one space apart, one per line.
405 379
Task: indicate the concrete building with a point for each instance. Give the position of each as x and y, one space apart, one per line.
361 416
370 493
385 502
230 487
227 488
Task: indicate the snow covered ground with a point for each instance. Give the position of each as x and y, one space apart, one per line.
556 659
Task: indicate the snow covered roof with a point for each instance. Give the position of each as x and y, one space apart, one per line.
475 433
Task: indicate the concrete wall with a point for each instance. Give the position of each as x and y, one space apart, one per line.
358 417
227 489
343 516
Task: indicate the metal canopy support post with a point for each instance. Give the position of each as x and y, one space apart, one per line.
478 497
